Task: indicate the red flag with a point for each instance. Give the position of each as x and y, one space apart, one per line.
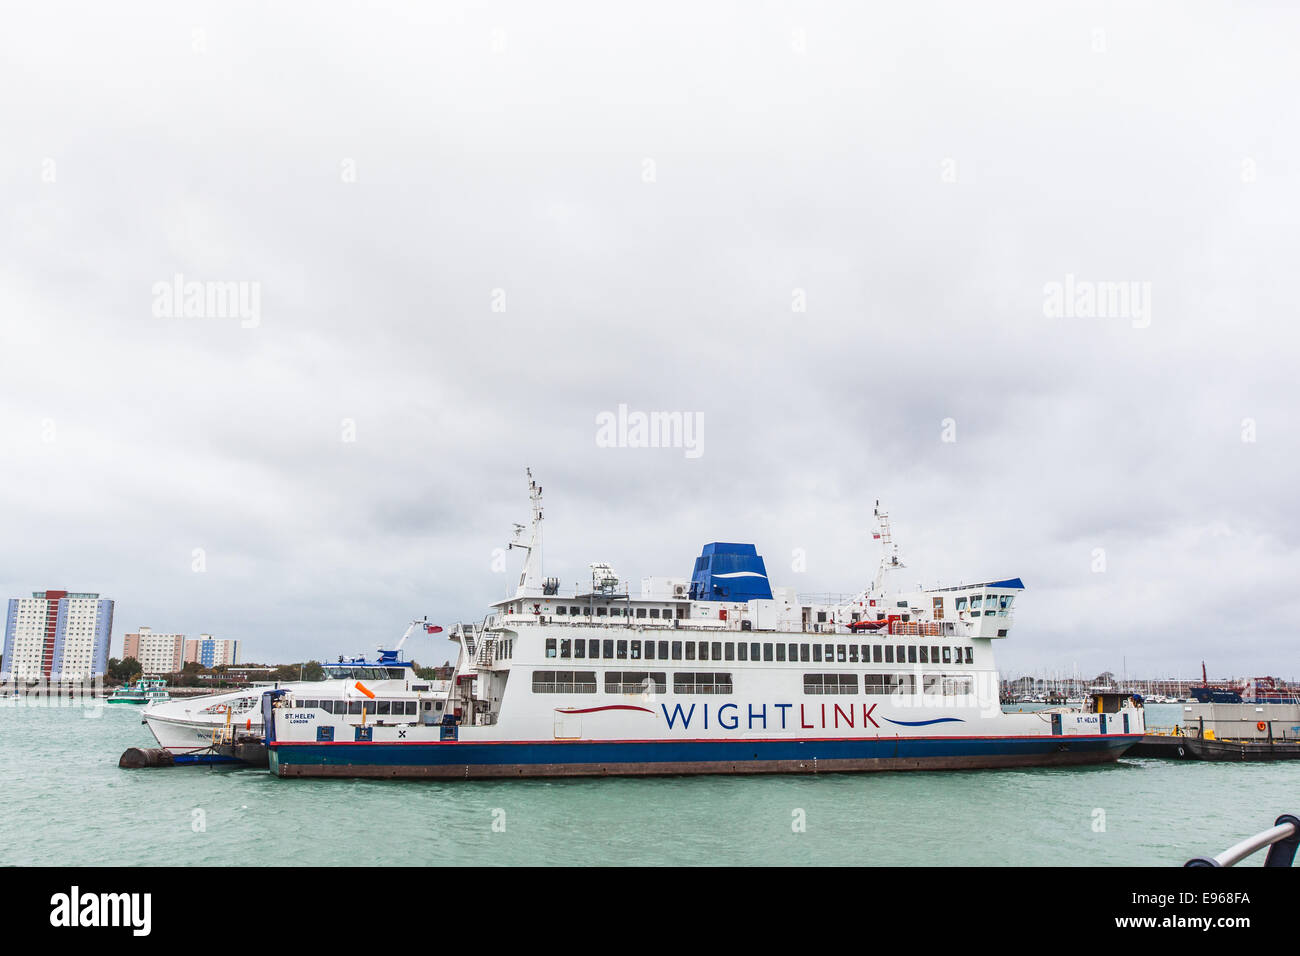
432 629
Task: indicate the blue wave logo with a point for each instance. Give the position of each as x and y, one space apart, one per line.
927 723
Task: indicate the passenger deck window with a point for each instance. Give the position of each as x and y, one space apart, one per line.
818 684
636 682
701 682
564 682
878 684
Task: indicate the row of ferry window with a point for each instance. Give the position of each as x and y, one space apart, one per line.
608 649
375 708
999 604
576 610
631 682
948 685
697 682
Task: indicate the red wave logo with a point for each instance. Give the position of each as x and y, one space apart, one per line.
594 710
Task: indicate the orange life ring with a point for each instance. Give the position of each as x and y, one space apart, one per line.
1261 726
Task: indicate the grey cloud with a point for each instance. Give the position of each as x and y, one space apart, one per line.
775 171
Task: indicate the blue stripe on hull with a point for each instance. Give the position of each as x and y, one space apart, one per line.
693 756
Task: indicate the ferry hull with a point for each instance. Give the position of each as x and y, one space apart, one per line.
454 759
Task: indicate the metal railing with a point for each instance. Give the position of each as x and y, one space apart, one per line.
1282 840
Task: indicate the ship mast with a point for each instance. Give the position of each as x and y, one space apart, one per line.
889 559
530 578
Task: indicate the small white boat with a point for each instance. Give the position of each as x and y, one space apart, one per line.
191 724
146 690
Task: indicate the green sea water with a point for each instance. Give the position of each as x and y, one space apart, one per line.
69 804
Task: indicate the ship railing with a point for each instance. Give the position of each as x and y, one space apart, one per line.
828 599
1274 730
923 629
468 634
1282 840
1166 730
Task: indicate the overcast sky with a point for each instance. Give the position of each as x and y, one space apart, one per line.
824 229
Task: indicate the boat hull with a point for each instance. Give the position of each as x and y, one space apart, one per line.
459 759
186 735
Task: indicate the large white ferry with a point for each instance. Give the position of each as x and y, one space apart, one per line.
720 673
